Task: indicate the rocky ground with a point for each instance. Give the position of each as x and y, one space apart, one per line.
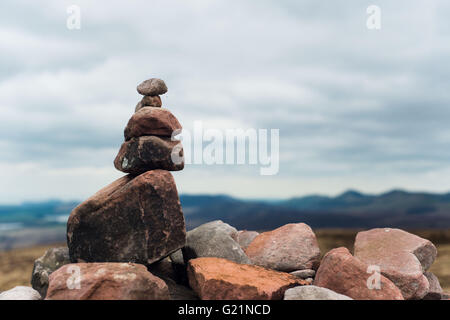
16 267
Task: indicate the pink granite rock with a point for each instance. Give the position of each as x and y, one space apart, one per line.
341 272
105 281
289 248
401 256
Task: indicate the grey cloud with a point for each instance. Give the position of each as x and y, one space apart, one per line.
345 99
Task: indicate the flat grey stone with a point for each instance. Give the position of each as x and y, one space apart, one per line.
304 274
313 293
20 293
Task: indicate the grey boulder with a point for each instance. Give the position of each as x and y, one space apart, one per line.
214 239
52 260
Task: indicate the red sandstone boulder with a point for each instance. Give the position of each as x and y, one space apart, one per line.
105 281
289 248
131 220
341 272
221 279
142 154
402 257
151 121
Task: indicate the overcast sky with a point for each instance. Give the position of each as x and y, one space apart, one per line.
356 108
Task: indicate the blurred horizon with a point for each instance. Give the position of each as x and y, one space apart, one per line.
37 222
260 199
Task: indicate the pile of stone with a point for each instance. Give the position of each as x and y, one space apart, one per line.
137 218
149 142
219 262
128 241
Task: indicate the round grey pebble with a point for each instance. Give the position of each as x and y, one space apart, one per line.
152 87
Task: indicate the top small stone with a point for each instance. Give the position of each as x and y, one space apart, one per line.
152 87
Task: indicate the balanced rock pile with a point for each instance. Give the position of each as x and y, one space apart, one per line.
128 241
138 217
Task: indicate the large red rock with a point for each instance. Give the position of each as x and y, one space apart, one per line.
105 281
289 248
402 257
341 272
142 154
131 220
151 121
221 279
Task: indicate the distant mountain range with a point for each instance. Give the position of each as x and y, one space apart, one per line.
351 209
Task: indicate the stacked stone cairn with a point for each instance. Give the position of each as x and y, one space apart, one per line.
137 218
128 241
